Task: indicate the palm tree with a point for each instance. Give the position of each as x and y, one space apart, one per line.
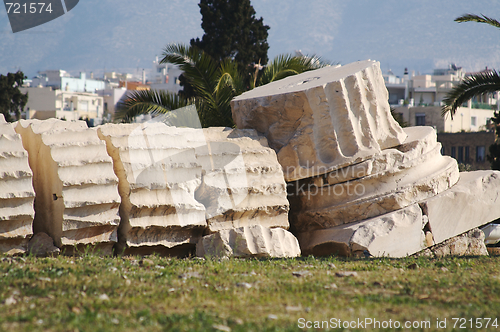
476 84
214 83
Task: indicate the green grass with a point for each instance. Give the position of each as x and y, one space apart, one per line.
92 293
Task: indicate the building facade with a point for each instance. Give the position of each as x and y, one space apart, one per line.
165 76
60 79
468 148
46 102
466 119
418 100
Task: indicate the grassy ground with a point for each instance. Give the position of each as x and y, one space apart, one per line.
92 293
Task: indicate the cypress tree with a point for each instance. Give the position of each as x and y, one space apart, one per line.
232 31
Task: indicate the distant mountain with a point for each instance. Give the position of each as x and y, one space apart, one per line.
128 35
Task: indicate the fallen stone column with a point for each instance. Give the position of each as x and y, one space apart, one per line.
420 145
16 192
474 201
249 241
158 175
242 181
76 190
396 234
322 120
389 181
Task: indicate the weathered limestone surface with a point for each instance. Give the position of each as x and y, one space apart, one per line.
474 201
420 145
396 234
391 180
158 175
242 183
322 120
76 190
16 192
249 241
174 182
470 243
42 245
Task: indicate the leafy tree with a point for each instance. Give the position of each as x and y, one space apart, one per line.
11 98
476 85
232 31
214 84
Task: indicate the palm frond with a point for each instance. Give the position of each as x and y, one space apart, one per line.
478 18
148 102
199 68
472 86
285 65
229 75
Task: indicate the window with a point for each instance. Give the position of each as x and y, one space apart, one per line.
460 156
466 155
473 121
83 105
480 153
420 119
453 152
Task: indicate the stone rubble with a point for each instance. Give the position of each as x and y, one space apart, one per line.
42 245
249 241
470 243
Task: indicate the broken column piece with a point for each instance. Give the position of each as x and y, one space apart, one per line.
391 180
158 175
249 241
396 234
322 120
242 183
470 243
471 203
76 190
173 181
16 192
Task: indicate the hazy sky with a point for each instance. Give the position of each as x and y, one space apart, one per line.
120 35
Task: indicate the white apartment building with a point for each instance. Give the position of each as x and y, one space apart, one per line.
165 76
419 98
60 79
465 119
111 99
45 102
